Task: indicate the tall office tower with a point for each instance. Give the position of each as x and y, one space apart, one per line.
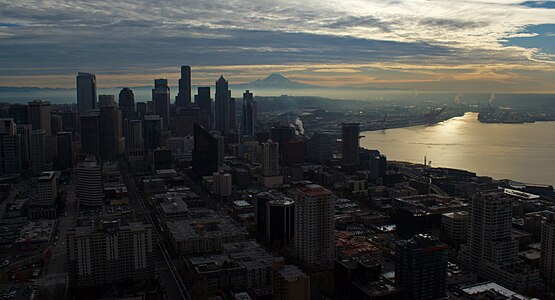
141 109
320 146
39 116
86 92
109 128
421 267
89 183
70 119
222 106
161 101
10 148
490 249
56 124
38 151
350 137
185 117
19 113
126 104
64 159
547 259
134 134
232 114
90 132
289 282
152 133
280 222
99 253
44 202
183 97
25 131
222 184
203 101
247 126
314 227
270 159
205 152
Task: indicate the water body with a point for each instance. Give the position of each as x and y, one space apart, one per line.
522 152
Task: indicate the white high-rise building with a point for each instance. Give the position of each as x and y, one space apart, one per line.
547 260
89 183
314 226
489 249
44 202
270 159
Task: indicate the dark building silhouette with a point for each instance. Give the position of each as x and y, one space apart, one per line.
86 92
161 101
152 132
126 104
90 132
109 128
205 152
39 115
10 148
64 159
280 222
185 117
141 109
293 152
350 143
282 133
223 100
183 97
25 131
421 267
70 121
247 126
56 124
19 113
203 101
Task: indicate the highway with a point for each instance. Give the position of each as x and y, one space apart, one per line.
168 273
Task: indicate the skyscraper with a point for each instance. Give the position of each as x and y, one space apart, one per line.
183 97
247 126
270 159
350 138
134 134
108 251
39 116
86 92
25 130
314 227
44 200
126 104
203 101
64 159
90 132
10 148
19 113
205 152
152 132
161 100
109 128
547 259
280 222
421 267
222 106
38 151
89 183
490 249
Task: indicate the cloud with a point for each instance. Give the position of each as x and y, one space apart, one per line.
127 37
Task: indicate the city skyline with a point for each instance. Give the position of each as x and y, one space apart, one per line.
478 46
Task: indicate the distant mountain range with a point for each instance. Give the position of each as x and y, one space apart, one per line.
276 81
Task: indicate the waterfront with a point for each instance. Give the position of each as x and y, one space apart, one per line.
522 152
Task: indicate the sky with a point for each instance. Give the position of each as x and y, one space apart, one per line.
423 45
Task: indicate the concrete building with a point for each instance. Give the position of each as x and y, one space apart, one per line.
421 267
89 183
222 185
109 251
270 159
25 132
38 152
314 226
455 226
39 116
289 283
44 202
133 134
65 157
490 249
547 260
320 147
86 92
350 143
10 148
161 101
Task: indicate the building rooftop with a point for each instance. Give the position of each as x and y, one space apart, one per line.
314 190
482 288
291 273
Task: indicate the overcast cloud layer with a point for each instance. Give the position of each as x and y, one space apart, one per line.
416 44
